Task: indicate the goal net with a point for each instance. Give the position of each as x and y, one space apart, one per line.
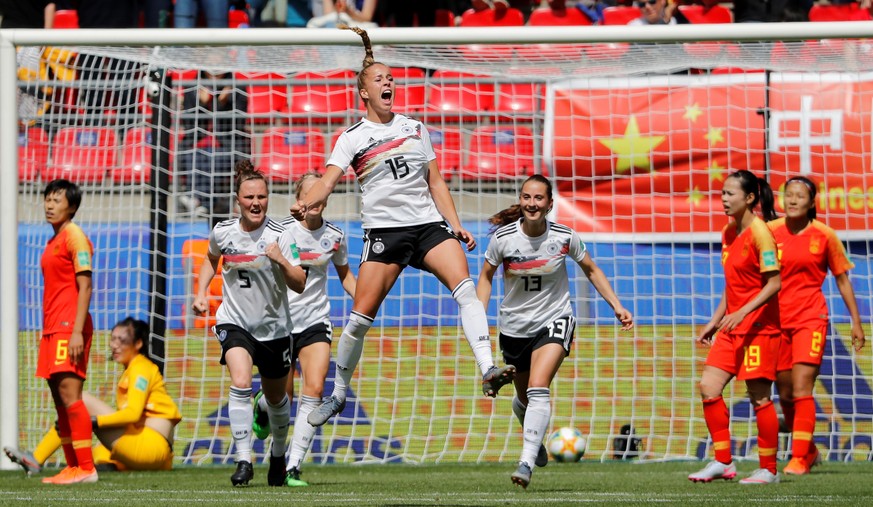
636 131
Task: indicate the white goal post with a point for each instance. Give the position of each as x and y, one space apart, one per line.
637 127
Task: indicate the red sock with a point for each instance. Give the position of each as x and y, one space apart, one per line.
80 432
768 435
788 410
718 422
66 441
804 426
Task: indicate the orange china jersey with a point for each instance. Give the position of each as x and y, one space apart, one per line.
745 259
805 259
66 255
141 394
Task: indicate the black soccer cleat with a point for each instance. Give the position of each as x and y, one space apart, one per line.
244 473
276 474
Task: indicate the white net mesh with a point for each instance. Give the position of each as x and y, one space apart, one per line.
636 137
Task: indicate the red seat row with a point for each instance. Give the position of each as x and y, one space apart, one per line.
85 155
287 153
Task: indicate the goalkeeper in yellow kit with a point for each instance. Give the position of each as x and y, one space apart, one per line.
139 434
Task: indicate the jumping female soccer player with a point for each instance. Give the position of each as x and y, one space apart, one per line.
536 320
747 323
405 207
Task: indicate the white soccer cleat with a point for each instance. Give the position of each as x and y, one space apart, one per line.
761 476
521 476
714 470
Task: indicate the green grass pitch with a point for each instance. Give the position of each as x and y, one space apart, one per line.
588 483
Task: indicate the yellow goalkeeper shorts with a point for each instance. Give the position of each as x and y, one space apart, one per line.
143 449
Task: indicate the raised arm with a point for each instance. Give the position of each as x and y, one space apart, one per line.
318 193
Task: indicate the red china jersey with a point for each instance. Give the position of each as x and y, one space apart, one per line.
66 255
805 260
745 259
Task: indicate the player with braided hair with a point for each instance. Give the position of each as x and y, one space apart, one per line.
409 219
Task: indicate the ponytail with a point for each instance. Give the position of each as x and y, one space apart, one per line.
751 184
369 60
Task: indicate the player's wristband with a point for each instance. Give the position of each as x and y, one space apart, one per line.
94 425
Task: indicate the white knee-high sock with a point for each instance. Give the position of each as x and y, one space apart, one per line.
536 422
348 352
280 416
519 409
303 432
239 411
475 323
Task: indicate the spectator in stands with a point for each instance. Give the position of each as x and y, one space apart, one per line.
156 13
32 14
215 12
215 138
525 6
348 12
115 104
759 11
138 434
289 13
657 12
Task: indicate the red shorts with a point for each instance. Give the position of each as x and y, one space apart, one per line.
802 345
748 356
54 357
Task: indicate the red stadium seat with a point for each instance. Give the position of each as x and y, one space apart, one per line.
33 151
491 17
409 97
265 100
696 14
446 144
287 153
136 156
519 98
546 16
845 12
620 15
444 17
500 151
237 18
66 18
82 154
314 100
450 99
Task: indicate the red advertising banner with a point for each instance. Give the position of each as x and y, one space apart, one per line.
648 155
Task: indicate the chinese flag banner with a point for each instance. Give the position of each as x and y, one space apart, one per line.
647 155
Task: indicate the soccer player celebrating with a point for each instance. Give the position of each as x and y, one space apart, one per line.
747 323
536 319
260 263
67 328
405 207
139 434
319 243
807 249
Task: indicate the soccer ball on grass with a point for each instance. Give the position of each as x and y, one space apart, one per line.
566 445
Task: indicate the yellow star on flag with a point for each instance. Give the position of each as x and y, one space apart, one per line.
694 196
715 136
633 150
692 112
716 172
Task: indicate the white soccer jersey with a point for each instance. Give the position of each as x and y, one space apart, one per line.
253 289
317 249
537 289
390 161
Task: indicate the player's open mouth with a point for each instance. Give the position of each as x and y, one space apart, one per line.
386 95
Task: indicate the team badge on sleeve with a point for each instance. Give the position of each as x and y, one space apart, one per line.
769 259
142 384
84 259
